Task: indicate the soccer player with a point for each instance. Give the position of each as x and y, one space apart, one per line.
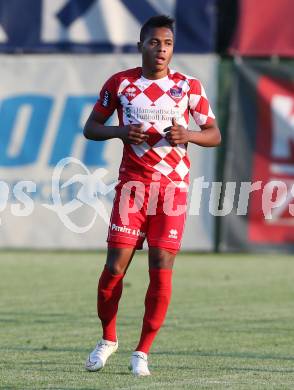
153 103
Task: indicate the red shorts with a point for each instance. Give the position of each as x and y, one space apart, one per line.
151 211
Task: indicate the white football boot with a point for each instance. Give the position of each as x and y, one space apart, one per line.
97 358
139 364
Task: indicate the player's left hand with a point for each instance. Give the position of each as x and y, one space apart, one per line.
176 134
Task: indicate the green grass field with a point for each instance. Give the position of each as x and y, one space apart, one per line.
230 324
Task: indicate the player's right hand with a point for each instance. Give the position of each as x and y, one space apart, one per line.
134 134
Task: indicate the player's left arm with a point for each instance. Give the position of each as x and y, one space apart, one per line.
208 136
203 115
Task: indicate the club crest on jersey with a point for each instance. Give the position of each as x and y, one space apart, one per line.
176 92
106 99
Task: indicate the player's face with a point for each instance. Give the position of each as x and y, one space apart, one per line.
157 49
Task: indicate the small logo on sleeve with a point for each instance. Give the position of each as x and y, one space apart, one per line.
106 99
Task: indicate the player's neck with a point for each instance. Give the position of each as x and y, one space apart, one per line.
154 75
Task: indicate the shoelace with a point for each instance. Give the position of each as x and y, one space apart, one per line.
100 346
140 357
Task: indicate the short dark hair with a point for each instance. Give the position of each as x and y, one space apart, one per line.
157 21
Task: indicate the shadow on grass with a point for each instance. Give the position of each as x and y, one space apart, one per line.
31 313
240 355
255 369
68 388
31 317
51 388
44 349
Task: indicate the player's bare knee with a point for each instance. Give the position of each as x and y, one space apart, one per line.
118 259
161 258
115 268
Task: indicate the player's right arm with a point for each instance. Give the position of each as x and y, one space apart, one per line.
105 106
95 130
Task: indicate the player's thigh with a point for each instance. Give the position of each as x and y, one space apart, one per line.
127 226
166 227
166 232
118 259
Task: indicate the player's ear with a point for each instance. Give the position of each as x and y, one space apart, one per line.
139 46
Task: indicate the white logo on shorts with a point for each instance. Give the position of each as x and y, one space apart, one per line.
173 233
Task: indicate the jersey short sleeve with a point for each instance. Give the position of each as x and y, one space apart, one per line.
108 100
199 105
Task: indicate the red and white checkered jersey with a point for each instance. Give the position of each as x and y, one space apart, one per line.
154 103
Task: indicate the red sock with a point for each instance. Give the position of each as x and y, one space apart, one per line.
156 304
109 292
